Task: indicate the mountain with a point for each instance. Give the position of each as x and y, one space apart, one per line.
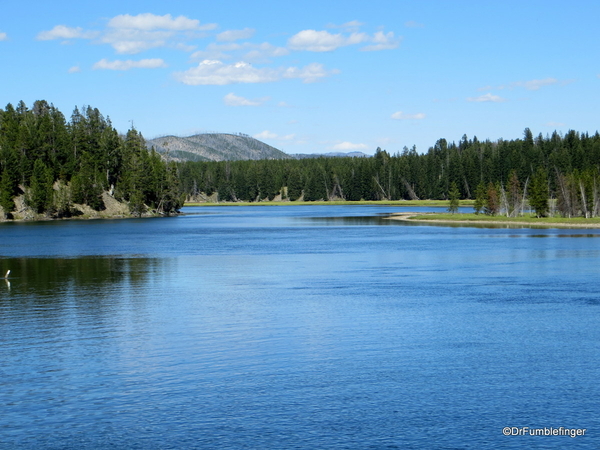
214 147
330 155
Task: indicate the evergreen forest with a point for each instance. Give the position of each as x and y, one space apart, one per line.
553 174
51 164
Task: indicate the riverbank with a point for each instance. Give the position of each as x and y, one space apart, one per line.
113 209
482 220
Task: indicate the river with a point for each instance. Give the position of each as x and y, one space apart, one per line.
300 327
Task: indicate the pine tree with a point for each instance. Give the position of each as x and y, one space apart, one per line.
40 193
454 196
6 193
480 198
538 197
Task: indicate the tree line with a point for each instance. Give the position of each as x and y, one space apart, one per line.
55 163
503 176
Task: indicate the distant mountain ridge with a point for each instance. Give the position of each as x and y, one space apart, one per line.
214 147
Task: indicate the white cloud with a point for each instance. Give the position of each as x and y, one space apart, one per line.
308 74
246 52
131 41
348 146
133 34
3 36
75 69
149 22
235 35
403 116
262 52
323 41
234 100
265 135
104 64
214 72
272 136
489 97
382 41
64 32
217 73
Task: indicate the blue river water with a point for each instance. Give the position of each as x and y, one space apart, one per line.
323 327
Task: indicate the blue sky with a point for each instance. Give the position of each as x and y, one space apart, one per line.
312 76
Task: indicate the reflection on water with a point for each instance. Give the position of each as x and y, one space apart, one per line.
295 328
57 278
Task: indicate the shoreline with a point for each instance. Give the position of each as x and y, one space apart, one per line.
409 217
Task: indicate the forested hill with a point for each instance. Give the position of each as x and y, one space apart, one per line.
48 165
214 147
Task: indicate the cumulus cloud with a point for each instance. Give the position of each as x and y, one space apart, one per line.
149 22
263 52
234 100
133 34
489 97
3 36
273 136
235 35
131 41
382 41
404 116
246 52
154 63
348 146
217 73
323 41
214 72
64 32
75 69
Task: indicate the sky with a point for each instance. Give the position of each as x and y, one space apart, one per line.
311 76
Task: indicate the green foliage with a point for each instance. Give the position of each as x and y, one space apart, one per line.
85 157
570 164
87 184
480 198
40 192
454 197
6 193
294 184
538 197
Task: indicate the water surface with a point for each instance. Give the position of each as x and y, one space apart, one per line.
296 327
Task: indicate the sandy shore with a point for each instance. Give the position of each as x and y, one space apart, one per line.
407 217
